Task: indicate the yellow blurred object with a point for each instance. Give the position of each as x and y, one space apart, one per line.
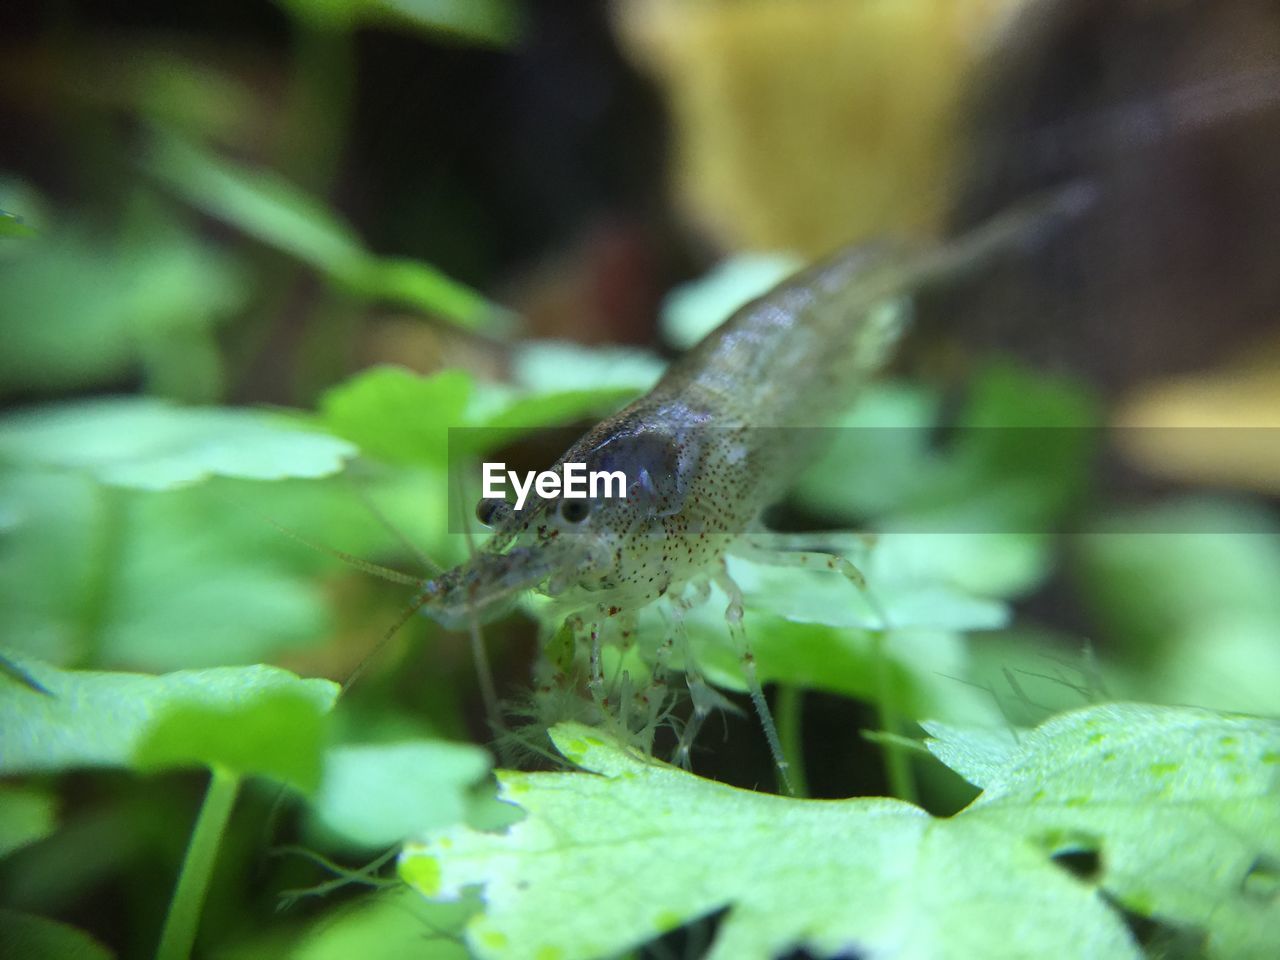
806 124
1220 428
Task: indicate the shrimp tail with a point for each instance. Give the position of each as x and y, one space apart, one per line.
1025 223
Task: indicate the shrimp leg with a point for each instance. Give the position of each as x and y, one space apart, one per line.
733 616
809 551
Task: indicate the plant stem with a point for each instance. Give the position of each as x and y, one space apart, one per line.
317 105
181 924
790 732
902 780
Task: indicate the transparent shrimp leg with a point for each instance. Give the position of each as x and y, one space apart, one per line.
702 704
702 696
479 651
596 683
659 688
642 703
810 551
733 616
590 630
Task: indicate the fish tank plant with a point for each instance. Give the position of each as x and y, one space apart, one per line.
656 479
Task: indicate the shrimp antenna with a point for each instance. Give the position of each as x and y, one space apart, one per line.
374 569
479 653
377 513
419 601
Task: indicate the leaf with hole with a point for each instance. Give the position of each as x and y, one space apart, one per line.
607 859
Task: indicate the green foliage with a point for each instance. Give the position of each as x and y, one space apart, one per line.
36 938
882 875
815 629
140 535
390 925
268 208
377 795
252 720
397 416
151 445
1018 463
554 383
101 575
479 21
193 577
1191 584
1180 807
400 417
11 226
81 309
27 814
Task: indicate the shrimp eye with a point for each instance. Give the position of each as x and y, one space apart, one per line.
488 509
575 510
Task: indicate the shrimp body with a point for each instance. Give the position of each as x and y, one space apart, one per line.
714 443
719 437
704 452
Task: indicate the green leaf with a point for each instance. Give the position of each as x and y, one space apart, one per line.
250 720
102 576
604 863
37 938
105 577
274 211
547 367
879 449
151 445
27 814
557 383
395 924
814 628
15 672
1181 807
47 563
1020 459
1187 592
489 22
412 283
377 795
1015 463
261 204
402 417
484 21
924 666
897 597
80 310
399 416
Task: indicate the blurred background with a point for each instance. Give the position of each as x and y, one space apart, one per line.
574 161
249 204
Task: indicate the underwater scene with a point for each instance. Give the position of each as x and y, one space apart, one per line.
648 479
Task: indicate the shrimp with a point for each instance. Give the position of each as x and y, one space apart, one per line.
704 453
